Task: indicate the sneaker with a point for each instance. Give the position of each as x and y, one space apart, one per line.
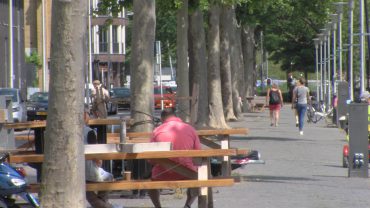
301 133
276 125
296 125
271 124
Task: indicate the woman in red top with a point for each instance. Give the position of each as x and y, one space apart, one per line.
274 99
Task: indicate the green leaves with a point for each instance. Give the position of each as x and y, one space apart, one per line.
34 58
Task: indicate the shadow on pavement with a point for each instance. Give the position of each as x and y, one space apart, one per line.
274 179
281 139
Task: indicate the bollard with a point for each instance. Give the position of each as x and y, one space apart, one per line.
7 140
358 140
342 107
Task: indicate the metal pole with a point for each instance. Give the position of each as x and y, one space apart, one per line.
321 65
44 64
262 83
334 71
89 73
368 44
350 49
334 74
339 31
328 30
158 49
339 9
362 47
324 66
317 41
11 66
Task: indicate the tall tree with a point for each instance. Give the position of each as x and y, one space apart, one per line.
249 59
63 178
182 75
237 66
225 29
197 47
142 43
216 115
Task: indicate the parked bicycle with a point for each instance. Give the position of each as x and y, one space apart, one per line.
317 111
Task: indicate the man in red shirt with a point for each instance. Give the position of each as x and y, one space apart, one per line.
183 137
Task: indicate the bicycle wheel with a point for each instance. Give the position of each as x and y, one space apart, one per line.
310 115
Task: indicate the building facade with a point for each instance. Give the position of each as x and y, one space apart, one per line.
37 36
13 70
107 47
107 43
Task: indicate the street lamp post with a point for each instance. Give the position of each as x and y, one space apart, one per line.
334 51
317 42
329 56
350 49
339 10
321 38
362 47
325 59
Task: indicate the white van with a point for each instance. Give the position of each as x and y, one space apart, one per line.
19 109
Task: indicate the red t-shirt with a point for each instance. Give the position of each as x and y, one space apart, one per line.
183 137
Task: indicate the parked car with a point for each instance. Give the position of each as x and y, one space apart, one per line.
37 106
18 106
168 97
120 96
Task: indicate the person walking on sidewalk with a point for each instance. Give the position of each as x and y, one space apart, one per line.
274 99
301 93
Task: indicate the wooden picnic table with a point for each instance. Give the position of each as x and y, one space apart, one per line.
201 178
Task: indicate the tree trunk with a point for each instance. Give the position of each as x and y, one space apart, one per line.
198 48
237 73
182 77
142 100
225 28
249 55
63 174
216 114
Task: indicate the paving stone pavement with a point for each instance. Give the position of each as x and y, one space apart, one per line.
300 171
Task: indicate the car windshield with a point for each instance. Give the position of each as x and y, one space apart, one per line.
41 97
121 92
11 92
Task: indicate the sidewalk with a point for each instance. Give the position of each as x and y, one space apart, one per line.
300 171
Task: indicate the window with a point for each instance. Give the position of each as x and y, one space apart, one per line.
103 39
115 39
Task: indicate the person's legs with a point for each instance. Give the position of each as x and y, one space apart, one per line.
301 111
97 201
154 196
296 116
191 195
272 116
277 116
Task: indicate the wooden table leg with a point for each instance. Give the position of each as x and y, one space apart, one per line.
226 167
203 172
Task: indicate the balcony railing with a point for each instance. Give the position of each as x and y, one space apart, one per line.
116 47
104 48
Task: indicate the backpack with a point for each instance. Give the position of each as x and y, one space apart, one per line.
274 97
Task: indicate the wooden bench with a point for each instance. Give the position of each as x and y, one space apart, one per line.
200 179
258 104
